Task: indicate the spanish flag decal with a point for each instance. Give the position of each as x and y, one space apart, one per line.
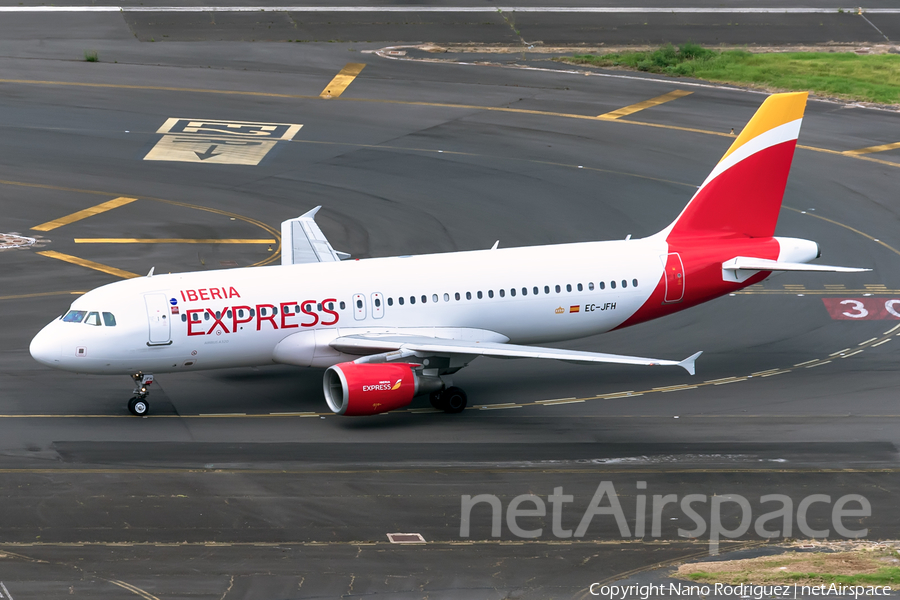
574 309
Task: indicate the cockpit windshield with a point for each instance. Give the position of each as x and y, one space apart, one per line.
74 316
93 318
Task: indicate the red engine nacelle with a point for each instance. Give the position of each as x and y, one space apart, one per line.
368 389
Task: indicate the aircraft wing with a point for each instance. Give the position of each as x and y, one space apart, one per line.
303 242
375 343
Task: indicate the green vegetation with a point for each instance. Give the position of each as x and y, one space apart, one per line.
869 78
842 568
91 56
884 576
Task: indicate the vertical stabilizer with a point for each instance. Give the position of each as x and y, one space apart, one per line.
742 196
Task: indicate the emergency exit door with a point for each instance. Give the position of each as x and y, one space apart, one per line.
674 277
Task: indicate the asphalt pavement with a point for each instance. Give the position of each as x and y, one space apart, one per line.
242 484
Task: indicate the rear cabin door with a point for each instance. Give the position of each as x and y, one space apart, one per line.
674 277
158 316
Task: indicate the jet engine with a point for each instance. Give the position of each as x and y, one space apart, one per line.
369 389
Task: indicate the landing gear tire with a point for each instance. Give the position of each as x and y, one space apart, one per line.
454 400
139 407
437 401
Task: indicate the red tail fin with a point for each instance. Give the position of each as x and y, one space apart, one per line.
742 196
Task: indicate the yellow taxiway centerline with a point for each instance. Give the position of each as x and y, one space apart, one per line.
343 79
630 110
172 241
872 149
84 214
89 264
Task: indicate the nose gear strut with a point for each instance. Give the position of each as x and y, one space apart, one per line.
138 405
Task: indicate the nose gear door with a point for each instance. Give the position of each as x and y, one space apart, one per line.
158 317
674 277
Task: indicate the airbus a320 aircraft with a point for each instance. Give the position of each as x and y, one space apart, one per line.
389 329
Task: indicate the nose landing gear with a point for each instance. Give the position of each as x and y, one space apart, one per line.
138 406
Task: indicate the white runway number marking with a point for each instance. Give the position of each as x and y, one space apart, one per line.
5 594
219 142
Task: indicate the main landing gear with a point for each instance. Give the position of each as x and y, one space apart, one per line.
450 400
138 406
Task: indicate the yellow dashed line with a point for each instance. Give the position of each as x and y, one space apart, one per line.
170 241
89 264
343 79
38 295
84 214
630 110
873 149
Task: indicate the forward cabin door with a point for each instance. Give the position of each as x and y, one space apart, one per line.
158 316
674 277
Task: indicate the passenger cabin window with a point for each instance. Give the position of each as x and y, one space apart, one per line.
624 284
512 291
400 300
524 291
412 299
535 290
377 302
580 288
74 316
591 286
434 297
502 293
612 285
343 305
602 285
447 297
558 289
547 289
480 295
390 301
456 295
568 287
468 295
634 283
424 298
490 293
93 318
359 304
109 319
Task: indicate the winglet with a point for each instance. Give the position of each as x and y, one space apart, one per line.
688 363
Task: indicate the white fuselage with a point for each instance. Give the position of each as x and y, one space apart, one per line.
167 323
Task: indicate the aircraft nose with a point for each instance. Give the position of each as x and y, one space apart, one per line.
45 347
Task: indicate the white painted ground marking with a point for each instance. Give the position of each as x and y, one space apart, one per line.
6 591
219 142
882 342
406 538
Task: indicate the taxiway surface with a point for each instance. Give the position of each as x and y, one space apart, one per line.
223 494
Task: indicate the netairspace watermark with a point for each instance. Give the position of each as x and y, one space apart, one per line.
605 504
740 590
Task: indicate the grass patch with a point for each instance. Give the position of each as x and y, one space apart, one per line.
844 568
91 56
868 78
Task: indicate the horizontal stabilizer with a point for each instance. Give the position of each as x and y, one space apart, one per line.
760 264
373 343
